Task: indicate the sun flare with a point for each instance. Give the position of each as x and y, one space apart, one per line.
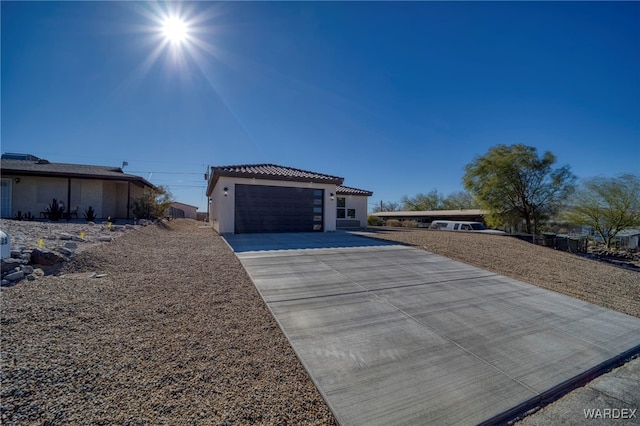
175 30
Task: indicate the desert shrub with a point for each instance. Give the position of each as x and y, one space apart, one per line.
90 214
409 224
393 222
153 204
373 220
55 211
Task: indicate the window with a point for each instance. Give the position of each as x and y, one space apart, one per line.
351 213
341 203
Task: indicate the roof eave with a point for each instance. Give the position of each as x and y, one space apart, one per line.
217 174
124 177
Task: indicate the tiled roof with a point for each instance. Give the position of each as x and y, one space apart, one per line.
270 171
46 168
346 190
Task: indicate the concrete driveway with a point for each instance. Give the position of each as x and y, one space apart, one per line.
396 335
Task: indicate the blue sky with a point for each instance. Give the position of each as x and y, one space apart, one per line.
396 97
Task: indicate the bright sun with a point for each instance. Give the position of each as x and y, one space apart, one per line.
174 29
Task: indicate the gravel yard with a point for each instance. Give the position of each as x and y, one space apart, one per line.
174 332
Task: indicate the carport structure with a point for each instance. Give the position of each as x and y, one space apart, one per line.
397 335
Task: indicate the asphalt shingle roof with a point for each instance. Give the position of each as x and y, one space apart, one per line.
46 168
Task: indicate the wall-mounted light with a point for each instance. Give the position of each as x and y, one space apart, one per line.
17 180
331 195
226 191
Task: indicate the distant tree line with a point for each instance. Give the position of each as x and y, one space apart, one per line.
517 187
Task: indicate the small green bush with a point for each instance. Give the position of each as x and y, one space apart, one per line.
373 220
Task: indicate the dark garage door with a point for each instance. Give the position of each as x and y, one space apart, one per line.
261 208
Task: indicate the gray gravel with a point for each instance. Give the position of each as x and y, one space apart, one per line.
174 332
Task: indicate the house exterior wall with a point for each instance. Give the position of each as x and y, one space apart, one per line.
357 203
222 207
34 194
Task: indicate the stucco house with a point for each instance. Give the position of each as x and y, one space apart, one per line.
255 198
179 210
29 184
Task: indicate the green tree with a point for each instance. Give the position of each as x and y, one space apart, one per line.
421 202
390 206
608 205
459 200
516 185
152 204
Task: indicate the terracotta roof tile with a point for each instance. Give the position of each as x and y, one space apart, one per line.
270 171
346 190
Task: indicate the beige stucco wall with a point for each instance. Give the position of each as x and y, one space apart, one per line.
190 212
34 194
359 203
222 208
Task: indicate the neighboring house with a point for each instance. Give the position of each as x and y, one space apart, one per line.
627 239
424 218
29 184
257 198
182 211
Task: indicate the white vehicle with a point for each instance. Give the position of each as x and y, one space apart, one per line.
454 225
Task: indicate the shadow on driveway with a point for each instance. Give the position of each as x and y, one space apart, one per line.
241 243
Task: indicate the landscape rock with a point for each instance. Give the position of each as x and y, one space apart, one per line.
27 269
65 251
50 244
14 276
10 264
46 257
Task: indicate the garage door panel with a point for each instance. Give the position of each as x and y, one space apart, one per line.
260 208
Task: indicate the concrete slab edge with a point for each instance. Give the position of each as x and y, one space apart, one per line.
538 402
336 415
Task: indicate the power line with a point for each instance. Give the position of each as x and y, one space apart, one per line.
165 173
